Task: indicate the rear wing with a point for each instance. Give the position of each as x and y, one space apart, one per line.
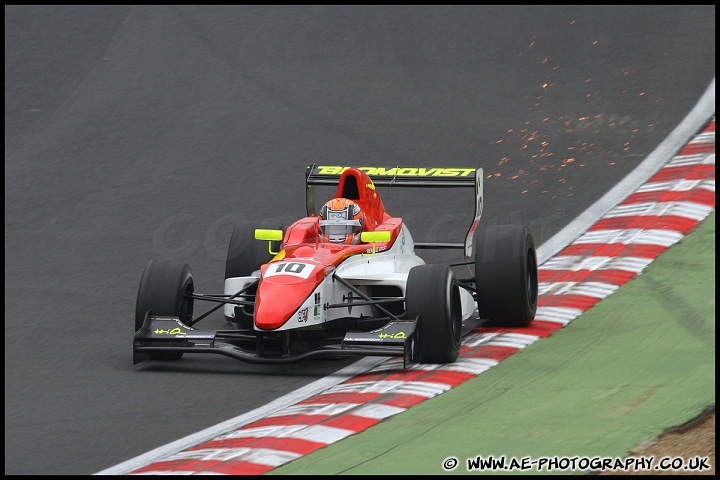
422 177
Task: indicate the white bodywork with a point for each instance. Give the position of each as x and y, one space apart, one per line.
390 267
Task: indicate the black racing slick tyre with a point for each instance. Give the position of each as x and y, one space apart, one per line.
245 255
162 291
433 292
506 276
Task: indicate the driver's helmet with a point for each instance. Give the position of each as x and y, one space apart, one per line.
341 221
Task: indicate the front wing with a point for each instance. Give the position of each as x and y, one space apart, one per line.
160 336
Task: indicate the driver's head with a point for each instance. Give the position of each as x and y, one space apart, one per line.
341 221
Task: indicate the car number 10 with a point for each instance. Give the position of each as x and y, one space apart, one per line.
297 269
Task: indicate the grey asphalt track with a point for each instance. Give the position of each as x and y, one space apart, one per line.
134 132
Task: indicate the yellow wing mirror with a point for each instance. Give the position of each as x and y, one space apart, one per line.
374 237
270 236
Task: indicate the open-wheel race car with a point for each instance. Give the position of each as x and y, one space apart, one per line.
345 281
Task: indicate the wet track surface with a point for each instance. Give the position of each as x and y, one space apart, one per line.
136 132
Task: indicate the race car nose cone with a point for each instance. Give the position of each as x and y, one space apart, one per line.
278 298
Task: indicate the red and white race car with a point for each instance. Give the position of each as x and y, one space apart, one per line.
295 295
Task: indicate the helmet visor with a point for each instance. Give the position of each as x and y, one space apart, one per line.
339 227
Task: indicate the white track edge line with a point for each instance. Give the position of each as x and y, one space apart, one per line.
683 133
321 385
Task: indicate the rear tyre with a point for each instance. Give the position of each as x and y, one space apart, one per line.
245 255
506 275
163 290
433 293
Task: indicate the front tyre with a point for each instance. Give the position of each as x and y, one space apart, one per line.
506 276
163 290
433 293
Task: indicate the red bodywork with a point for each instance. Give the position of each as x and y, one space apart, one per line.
279 296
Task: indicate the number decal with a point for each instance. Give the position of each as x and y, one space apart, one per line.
297 269
290 267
